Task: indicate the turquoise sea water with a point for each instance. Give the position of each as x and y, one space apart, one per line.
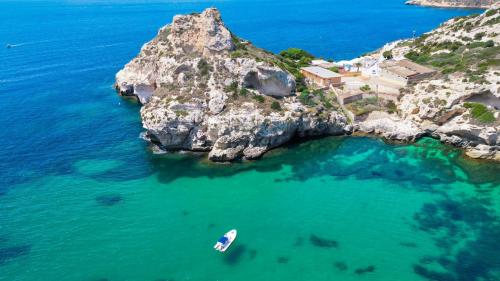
82 198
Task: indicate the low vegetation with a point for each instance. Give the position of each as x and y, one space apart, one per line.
387 54
364 106
276 106
204 67
365 88
480 112
472 56
312 98
292 60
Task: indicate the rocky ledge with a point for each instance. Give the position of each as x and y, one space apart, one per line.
204 89
480 4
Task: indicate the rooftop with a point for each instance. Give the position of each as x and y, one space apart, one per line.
405 67
321 72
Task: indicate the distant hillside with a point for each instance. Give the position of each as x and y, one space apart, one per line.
461 104
468 45
455 3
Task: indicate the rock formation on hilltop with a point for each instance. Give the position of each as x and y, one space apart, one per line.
484 4
204 89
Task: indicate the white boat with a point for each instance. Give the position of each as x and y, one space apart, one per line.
225 241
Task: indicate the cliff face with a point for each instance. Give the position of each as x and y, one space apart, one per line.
485 4
204 89
461 105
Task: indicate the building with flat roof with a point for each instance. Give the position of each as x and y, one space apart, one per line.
404 71
320 77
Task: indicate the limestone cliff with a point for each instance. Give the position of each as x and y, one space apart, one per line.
454 3
461 105
204 89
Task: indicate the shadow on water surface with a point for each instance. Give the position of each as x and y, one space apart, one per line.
235 254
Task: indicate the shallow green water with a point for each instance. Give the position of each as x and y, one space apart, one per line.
331 209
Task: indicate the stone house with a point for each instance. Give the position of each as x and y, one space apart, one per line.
404 71
321 78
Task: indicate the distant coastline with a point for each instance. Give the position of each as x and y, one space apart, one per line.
481 4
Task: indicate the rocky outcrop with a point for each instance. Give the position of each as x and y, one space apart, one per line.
467 48
484 4
204 89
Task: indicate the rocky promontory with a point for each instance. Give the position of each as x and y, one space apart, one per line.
480 4
204 89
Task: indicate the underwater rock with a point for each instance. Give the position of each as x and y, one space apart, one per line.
408 244
9 253
365 270
322 242
109 199
340 265
283 260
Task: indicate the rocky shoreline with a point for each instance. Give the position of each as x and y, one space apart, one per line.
469 4
204 89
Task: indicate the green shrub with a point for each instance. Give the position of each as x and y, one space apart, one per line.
237 43
387 54
259 98
276 106
181 112
479 35
391 107
334 69
365 88
204 67
306 98
295 54
491 12
236 54
480 112
243 92
233 87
